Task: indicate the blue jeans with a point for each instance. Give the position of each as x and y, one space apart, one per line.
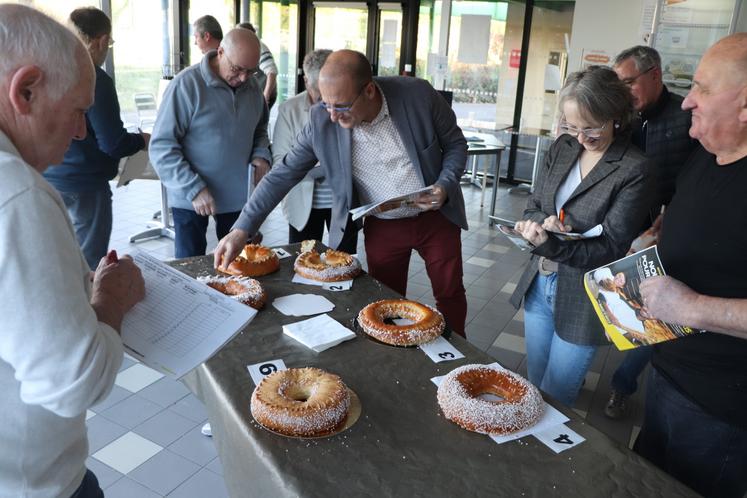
705 453
89 487
91 214
625 378
190 229
555 366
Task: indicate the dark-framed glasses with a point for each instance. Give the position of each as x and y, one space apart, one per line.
630 81
342 109
590 133
236 69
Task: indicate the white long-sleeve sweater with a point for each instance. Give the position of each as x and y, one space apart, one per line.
56 358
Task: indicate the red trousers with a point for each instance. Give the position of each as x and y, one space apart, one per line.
389 244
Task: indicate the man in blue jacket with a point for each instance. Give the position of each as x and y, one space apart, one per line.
83 177
377 138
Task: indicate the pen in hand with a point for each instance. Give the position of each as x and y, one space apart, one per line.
561 216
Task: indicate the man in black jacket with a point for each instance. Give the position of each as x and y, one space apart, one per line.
661 132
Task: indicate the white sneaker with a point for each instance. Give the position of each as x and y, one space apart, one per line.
207 430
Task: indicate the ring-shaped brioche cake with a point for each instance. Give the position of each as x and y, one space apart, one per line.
244 289
254 261
301 402
331 266
428 323
459 398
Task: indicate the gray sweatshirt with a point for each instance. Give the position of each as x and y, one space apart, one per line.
206 134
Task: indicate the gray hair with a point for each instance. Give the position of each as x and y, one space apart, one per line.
28 37
208 24
312 64
644 57
600 96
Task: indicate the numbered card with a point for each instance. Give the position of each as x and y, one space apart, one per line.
281 253
440 350
337 286
559 438
259 371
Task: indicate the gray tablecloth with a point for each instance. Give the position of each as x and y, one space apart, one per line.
401 445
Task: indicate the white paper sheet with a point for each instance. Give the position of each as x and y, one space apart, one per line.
181 322
318 333
474 39
303 304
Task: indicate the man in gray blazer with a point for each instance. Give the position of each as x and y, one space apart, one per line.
377 138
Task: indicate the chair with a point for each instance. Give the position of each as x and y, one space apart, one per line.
145 103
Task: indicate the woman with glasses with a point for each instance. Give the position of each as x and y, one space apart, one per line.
592 180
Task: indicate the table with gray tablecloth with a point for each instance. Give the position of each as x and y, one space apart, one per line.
401 445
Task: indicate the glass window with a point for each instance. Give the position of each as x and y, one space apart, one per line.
137 28
223 10
277 25
337 27
390 40
474 68
429 22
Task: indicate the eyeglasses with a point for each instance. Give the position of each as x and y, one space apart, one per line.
343 109
235 69
630 81
590 133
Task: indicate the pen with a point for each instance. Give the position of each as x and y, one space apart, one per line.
561 217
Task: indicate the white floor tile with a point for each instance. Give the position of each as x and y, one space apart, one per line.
90 413
485 263
127 453
509 288
592 379
496 248
511 342
137 377
633 436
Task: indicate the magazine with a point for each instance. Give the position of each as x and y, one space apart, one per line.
389 204
614 290
507 228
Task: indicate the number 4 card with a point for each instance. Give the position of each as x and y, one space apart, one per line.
259 371
559 438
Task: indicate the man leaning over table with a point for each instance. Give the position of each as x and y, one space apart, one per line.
211 124
60 350
308 206
376 138
695 425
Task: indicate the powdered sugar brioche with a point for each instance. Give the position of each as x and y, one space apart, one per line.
458 397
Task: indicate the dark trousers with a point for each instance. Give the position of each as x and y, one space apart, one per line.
190 229
314 230
91 214
89 487
389 244
625 378
704 452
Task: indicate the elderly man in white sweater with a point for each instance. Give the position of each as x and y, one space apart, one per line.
60 348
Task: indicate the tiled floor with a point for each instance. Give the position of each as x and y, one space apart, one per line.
145 437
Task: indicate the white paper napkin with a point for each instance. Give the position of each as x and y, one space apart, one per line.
318 333
303 304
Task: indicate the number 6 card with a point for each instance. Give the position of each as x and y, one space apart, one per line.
259 371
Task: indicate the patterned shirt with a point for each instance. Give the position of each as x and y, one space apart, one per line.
381 166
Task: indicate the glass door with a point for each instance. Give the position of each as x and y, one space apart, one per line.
224 12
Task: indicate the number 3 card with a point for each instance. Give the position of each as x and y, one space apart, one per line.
440 350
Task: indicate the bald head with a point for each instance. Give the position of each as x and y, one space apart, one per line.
347 65
732 52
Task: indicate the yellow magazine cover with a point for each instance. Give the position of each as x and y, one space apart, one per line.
614 291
